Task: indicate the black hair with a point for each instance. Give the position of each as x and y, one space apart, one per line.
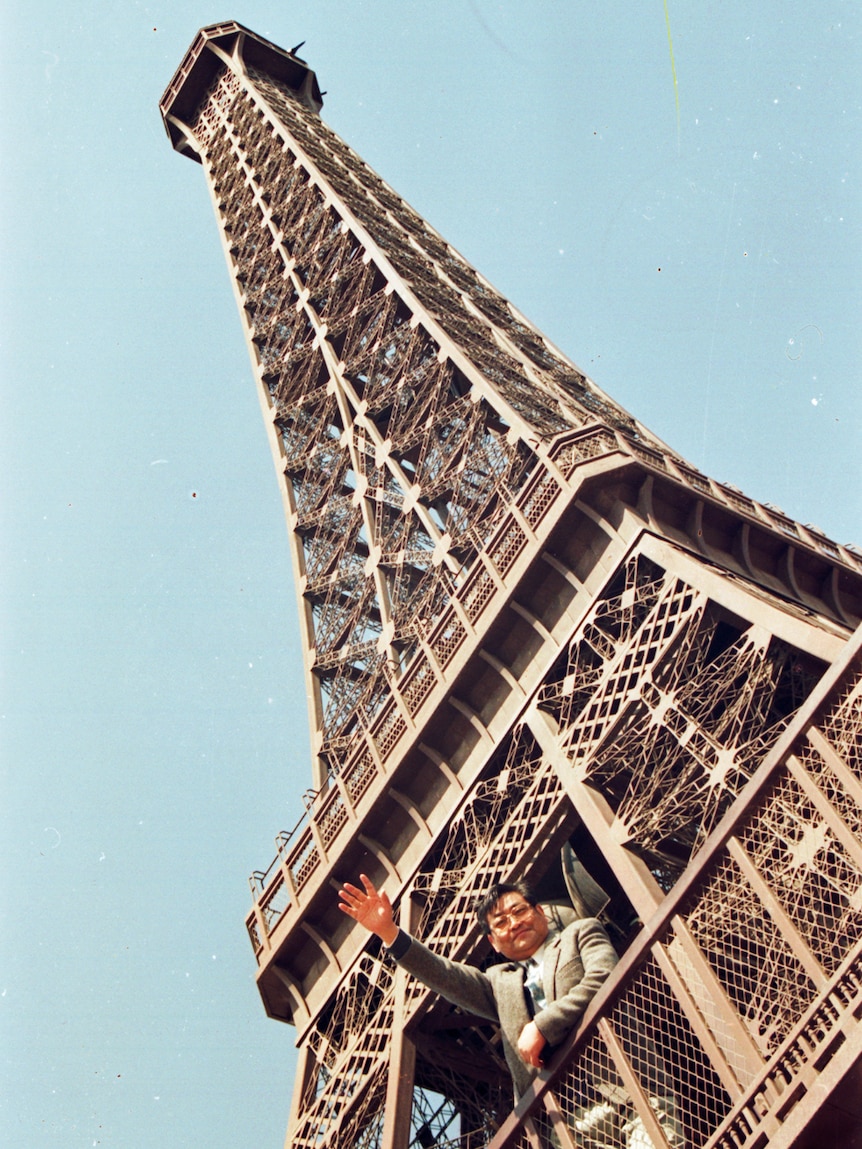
484 906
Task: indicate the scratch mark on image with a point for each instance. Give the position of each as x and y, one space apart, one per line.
719 294
49 68
672 69
797 342
490 31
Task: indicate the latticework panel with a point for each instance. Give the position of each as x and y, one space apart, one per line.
363 1124
350 1045
762 976
667 704
435 1117
490 837
813 874
455 1109
644 1064
666 1056
843 729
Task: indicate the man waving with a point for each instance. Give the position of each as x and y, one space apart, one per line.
537 995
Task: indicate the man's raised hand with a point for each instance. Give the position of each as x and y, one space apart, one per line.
370 907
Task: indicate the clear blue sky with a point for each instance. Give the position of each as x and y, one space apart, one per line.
694 248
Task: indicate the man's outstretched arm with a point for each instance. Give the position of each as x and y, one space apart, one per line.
461 984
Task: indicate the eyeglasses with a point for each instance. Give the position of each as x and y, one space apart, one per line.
501 922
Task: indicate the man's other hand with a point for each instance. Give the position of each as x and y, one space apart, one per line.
530 1045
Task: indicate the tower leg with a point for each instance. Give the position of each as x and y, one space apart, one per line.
402 1057
306 1066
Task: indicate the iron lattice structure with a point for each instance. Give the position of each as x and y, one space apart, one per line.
537 644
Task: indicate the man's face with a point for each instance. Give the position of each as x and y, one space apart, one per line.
517 928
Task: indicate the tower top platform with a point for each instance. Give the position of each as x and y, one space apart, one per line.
233 44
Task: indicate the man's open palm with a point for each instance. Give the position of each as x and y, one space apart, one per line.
370 907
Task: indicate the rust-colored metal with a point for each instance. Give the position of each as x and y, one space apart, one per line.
531 631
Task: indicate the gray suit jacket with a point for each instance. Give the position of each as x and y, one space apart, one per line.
576 963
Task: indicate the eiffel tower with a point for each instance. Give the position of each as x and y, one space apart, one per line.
538 644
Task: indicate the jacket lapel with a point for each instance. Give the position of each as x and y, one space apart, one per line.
549 967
